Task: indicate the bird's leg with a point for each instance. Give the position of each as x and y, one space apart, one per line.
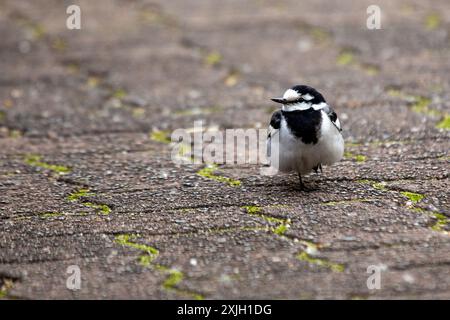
317 168
302 185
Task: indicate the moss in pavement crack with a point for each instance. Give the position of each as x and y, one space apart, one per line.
6 284
282 225
421 105
414 198
100 208
356 157
36 161
76 195
309 255
146 259
347 57
441 222
445 123
381 185
213 58
162 136
209 172
149 254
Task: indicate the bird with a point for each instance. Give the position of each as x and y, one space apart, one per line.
304 134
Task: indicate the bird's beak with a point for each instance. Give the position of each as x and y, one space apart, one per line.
279 100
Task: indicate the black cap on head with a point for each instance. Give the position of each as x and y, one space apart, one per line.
302 90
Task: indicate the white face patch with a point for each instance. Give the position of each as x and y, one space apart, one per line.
297 106
307 97
319 106
291 95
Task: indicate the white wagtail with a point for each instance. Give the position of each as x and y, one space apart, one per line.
304 134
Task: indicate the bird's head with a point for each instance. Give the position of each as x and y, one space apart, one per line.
300 97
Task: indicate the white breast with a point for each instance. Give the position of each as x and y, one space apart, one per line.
289 153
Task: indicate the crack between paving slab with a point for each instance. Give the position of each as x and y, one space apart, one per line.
309 254
414 198
146 259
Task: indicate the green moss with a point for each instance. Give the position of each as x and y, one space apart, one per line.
444 123
442 221
345 58
380 186
6 287
319 35
119 94
282 224
209 173
213 59
76 195
99 207
36 161
273 219
370 69
376 185
59 45
356 157
421 104
252 209
432 21
102 208
335 267
413 197
161 136
281 229
174 278
93 81
37 31
353 144
309 253
393 92
145 259
15 133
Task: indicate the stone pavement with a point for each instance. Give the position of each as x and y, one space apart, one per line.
86 177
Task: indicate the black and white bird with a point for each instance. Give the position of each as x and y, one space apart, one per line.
305 134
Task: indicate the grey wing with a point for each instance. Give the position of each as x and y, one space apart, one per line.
274 128
333 117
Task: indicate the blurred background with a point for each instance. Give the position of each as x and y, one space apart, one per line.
86 177
136 65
